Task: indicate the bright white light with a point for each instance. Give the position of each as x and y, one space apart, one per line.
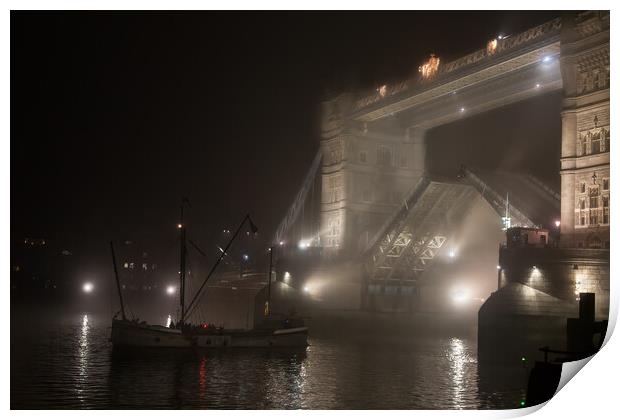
179 226
88 287
306 289
499 267
287 276
302 245
452 253
557 223
537 85
460 296
500 36
546 59
246 257
170 290
168 321
281 243
462 109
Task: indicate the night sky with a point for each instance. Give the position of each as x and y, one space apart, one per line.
116 116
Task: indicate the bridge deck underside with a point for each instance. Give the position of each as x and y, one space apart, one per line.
408 247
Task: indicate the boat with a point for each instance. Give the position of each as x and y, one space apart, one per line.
273 331
132 334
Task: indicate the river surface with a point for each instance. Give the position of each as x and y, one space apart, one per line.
66 361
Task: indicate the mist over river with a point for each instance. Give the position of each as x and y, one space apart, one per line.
63 359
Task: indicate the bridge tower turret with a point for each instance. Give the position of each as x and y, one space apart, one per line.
585 130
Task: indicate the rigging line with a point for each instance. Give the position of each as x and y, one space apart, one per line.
254 229
200 251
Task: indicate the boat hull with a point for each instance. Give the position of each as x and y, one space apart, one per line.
127 334
130 334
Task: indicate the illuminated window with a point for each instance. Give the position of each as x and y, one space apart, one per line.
126 265
131 266
145 266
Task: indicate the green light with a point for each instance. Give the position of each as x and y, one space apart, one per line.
522 403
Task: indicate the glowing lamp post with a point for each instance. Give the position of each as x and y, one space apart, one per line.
88 287
460 296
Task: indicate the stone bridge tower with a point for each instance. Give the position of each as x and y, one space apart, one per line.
585 130
366 172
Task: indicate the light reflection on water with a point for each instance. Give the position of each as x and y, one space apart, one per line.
83 351
461 360
72 366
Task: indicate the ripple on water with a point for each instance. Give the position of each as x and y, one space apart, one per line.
71 365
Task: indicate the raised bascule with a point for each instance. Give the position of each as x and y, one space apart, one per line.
382 216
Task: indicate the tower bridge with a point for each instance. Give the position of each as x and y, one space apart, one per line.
368 201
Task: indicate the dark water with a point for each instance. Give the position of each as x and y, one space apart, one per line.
67 362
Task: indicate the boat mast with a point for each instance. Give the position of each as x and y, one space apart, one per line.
268 304
182 262
118 284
